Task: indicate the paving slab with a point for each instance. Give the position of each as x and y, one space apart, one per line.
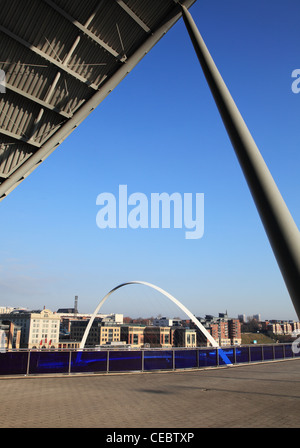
262 395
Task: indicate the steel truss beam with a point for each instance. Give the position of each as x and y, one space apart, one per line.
48 58
84 29
20 138
80 115
133 16
37 100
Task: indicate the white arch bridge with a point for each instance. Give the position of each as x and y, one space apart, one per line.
170 297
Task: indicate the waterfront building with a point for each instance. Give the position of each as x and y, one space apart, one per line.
133 335
39 328
224 329
159 337
166 322
101 332
10 335
184 337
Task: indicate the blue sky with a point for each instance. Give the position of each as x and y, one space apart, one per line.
160 131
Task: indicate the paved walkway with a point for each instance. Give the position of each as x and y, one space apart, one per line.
248 396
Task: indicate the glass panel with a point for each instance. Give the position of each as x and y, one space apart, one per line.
125 360
158 360
185 359
49 362
89 362
288 352
278 351
13 363
242 354
268 352
226 353
255 354
207 357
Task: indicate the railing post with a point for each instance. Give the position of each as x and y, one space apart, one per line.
28 363
70 356
107 362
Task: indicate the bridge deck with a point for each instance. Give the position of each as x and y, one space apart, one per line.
258 395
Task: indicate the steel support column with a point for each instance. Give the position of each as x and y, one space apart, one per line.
279 225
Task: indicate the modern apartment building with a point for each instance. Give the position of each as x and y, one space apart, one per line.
184 337
99 334
225 330
234 331
67 316
166 322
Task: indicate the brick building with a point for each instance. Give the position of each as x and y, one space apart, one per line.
234 331
158 336
133 334
225 330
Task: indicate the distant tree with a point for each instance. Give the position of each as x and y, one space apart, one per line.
127 320
251 326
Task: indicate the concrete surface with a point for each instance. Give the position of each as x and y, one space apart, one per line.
265 395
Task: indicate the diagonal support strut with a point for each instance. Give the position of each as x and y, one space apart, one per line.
279 225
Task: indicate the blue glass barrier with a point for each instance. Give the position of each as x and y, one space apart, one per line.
278 351
207 358
256 353
185 359
13 363
268 352
242 354
125 360
88 362
288 352
49 362
226 356
158 360
39 362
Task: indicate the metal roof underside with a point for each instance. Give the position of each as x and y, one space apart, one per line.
61 58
